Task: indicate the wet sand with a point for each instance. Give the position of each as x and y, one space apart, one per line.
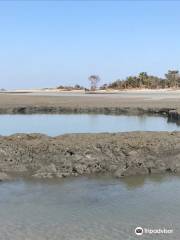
124 99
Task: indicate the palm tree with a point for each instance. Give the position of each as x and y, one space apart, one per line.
143 76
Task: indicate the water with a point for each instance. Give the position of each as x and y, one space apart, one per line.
53 125
89 208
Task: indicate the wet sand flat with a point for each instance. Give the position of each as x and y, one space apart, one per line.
128 100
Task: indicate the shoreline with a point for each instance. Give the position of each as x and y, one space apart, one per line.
27 104
119 155
55 90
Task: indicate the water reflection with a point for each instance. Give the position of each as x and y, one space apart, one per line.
133 182
174 120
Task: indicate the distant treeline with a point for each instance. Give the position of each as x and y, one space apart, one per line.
69 88
143 80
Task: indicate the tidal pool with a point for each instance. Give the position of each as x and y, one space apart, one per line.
57 124
96 208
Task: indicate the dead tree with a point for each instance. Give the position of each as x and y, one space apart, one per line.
94 79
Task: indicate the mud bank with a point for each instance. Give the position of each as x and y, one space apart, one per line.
172 114
26 104
95 110
61 105
122 154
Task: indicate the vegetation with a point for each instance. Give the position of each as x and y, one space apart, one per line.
94 79
69 88
143 80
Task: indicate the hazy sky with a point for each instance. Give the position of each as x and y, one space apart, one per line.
46 44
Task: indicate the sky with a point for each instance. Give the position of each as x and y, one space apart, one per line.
52 43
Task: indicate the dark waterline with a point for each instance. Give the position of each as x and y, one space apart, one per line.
53 125
89 208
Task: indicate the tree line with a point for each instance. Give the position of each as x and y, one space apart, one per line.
143 80
70 88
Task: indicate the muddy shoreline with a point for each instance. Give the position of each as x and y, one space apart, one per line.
120 155
25 104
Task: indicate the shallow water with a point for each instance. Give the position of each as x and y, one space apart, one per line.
53 125
89 208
